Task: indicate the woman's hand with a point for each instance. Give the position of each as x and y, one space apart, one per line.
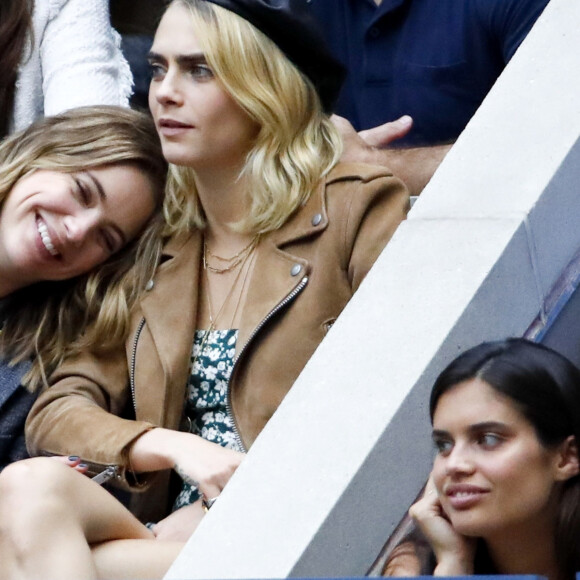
205 465
72 461
208 466
454 552
179 525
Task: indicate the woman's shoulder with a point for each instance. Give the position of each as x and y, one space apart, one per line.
362 184
357 172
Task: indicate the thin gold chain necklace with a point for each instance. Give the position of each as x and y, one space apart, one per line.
213 320
243 273
244 249
233 262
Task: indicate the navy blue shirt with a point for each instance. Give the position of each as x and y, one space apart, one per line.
432 59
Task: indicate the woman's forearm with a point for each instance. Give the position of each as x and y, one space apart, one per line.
154 450
199 462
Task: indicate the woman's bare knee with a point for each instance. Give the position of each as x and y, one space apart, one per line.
24 481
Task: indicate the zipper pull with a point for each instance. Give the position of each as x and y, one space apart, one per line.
105 475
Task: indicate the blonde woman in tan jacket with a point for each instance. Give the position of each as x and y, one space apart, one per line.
268 239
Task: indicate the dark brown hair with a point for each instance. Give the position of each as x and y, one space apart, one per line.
545 387
15 33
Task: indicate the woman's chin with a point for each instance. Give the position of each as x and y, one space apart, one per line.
470 526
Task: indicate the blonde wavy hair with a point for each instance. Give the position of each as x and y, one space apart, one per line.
296 145
52 320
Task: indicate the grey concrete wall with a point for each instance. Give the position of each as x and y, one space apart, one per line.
348 450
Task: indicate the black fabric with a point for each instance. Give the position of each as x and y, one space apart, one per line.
288 23
15 403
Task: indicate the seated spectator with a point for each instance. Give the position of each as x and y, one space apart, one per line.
55 55
56 225
270 238
504 493
428 63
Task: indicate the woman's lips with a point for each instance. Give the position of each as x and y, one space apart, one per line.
46 238
170 127
461 497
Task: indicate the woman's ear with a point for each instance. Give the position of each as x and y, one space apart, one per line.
568 463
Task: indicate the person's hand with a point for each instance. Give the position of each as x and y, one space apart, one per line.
454 552
72 461
383 135
179 525
414 165
362 146
205 465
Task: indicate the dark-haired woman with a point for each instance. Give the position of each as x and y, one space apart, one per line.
504 492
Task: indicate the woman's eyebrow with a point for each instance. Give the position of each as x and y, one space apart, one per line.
181 59
195 58
439 433
488 426
97 185
103 196
155 56
474 428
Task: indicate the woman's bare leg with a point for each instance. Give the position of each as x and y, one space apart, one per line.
135 559
50 514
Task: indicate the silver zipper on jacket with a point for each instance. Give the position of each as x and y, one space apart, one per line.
133 363
98 472
274 310
108 473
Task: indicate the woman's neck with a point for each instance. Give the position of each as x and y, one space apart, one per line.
527 550
9 282
224 198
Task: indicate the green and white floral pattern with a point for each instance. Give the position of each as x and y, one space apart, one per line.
213 360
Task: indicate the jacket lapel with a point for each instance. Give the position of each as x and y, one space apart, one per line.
278 271
170 311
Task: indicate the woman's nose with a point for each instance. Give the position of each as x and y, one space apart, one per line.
166 90
79 226
459 461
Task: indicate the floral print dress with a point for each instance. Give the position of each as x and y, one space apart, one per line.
212 363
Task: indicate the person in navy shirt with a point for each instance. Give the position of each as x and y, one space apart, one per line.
431 60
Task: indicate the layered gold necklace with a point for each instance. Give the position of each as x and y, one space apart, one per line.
229 263
241 260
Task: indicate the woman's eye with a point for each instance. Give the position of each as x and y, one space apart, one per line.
490 440
109 241
202 71
83 192
155 70
443 446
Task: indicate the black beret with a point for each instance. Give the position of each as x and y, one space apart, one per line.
289 24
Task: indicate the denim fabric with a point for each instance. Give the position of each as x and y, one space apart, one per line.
15 402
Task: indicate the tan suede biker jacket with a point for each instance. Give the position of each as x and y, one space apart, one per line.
304 275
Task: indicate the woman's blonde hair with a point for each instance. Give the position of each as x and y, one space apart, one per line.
296 145
50 320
